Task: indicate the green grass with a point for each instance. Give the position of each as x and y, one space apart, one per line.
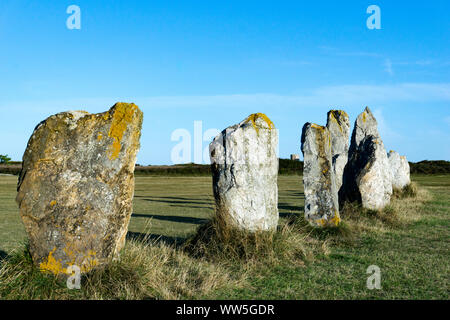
409 241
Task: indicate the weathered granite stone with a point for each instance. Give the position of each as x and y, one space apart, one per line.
76 187
319 182
367 176
338 124
244 165
365 125
400 170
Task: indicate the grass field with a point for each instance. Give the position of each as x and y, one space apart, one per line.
413 252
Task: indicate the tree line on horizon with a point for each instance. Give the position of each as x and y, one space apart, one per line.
286 166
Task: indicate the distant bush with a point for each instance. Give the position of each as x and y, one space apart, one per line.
430 167
287 166
190 169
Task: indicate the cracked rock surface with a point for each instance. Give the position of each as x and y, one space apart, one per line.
321 194
244 165
367 176
76 186
338 124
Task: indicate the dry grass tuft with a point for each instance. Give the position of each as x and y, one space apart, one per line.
145 270
409 191
220 241
404 208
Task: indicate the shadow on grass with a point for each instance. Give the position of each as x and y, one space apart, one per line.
151 238
181 219
3 257
178 201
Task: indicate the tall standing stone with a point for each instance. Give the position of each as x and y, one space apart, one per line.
400 170
244 165
76 187
319 182
367 176
338 124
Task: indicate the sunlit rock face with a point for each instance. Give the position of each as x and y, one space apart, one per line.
76 187
400 170
319 181
367 176
244 165
338 124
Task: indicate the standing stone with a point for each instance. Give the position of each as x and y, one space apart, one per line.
76 187
244 166
367 176
338 124
400 170
321 194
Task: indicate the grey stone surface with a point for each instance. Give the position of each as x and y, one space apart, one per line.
244 165
321 194
400 170
76 187
367 176
338 124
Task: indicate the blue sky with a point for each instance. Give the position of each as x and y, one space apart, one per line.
219 61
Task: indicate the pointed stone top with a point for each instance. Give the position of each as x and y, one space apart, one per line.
337 113
339 118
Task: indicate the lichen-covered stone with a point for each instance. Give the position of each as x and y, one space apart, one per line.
338 124
367 176
244 165
319 182
400 170
76 187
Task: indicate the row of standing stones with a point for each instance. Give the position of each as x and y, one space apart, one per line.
335 173
76 187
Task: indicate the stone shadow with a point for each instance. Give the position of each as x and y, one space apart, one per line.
177 201
293 211
171 218
150 238
3 257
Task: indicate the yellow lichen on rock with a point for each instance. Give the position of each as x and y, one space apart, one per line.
52 265
320 222
253 117
55 266
332 112
316 126
336 219
123 115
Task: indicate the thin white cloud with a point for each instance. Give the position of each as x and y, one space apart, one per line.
341 95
